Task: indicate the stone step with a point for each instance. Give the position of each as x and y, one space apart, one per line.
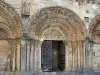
51 73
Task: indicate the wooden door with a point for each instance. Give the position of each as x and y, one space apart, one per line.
46 56
61 56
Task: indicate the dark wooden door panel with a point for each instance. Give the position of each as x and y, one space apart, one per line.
46 56
62 56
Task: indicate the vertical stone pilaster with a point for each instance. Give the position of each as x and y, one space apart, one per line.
66 56
9 59
28 55
32 56
35 55
38 55
82 55
72 55
18 55
23 55
86 59
78 45
86 55
91 55
69 56
14 55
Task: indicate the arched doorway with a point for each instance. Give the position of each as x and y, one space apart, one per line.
52 55
94 33
59 23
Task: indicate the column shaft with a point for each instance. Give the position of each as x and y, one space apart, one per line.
18 56
14 56
23 56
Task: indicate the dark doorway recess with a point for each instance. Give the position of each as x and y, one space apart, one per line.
52 56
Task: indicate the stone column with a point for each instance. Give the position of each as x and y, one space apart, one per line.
73 55
90 55
35 55
23 55
38 56
66 56
69 56
82 55
28 54
9 59
14 54
18 55
79 50
32 56
86 56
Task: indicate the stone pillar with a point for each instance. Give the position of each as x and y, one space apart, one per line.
9 59
28 54
74 55
69 56
77 55
32 55
35 55
23 55
38 55
18 55
86 56
79 50
82 55
72 46
90 55
66 57
14 54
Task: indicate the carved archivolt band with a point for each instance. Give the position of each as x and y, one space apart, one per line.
12 18
60 17
93 25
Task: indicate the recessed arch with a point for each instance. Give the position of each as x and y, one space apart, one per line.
63 22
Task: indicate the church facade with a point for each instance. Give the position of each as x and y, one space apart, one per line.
54 41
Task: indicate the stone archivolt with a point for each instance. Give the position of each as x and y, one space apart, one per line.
94 29
10 15
59 16
4 29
